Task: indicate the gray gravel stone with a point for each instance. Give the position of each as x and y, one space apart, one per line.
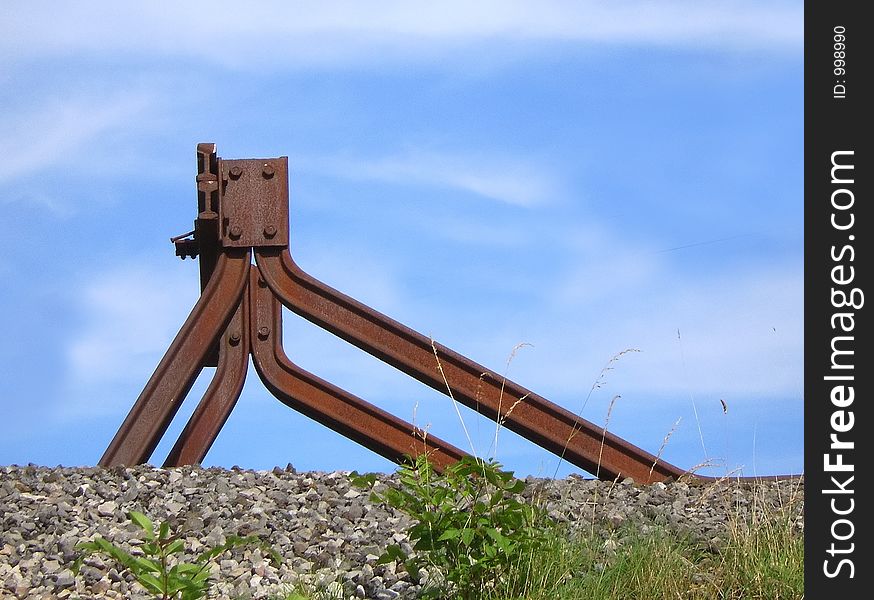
327 532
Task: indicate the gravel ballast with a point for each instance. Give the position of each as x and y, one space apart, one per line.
327 532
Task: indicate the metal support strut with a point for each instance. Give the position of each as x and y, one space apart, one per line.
243 207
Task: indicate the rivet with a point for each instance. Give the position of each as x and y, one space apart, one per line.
235 232
236 172
269 231
267 171
234 338
263 333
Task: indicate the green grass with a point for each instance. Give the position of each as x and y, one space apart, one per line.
765 559
655 566
761 559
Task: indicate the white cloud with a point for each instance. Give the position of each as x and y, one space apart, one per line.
371 280
130 316
741 326
486 231
273 32
499 178
54 133
607 266
740 336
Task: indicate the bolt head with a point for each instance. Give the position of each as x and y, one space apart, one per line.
236 172
269 231
235 232
267 171
234 338
263 333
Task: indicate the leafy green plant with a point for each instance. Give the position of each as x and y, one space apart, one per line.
159 569
470 524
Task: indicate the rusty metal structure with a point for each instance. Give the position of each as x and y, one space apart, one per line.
243 211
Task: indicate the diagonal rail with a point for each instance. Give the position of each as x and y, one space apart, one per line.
156 406
556 429
352 417
221 396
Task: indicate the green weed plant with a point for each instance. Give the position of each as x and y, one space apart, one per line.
159 570
470 524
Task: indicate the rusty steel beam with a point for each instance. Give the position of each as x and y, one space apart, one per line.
577 440
352 417
156 406
222 394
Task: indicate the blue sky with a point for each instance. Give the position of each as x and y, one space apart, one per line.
579 177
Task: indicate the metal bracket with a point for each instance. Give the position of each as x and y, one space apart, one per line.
254 203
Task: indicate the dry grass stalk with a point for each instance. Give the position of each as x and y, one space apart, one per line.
662 447
498 420
452 397
599 382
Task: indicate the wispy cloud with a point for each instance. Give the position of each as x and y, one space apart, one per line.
372 280
607 265
55 132
740 334
511 180
275 32
130 315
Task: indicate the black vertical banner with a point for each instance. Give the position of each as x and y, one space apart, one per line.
837 232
